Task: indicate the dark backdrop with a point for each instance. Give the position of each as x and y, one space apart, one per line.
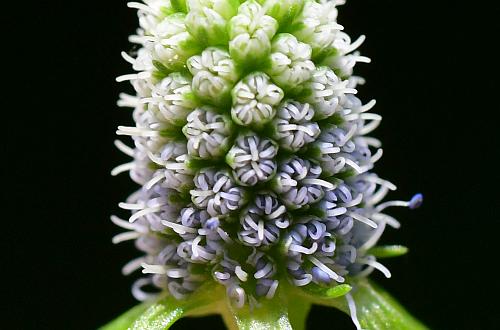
432 74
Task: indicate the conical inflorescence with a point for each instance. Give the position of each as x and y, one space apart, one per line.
251 150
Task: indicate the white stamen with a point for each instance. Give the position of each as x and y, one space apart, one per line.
179 229
301 249
385 205
126 236
131 206
355 166
143 212
355 45
264 271
222 276
122 223
140 6
175 289
334 276
132 266
388 219
241 274
126 77
272 290
260 230
363 219
368 106
319 182
127 101
224 235
153 269
157 178
355 201
377 156
352 310
377 265
140 294
306 280
124 148
381 182
128 58
136 131
374 238
123 168
177 273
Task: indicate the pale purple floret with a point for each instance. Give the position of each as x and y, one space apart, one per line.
233 274
216 192
298 182
263 221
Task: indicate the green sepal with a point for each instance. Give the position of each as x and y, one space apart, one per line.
336 119
346 174
322 292
338 291
162 70
323 56
172 133
388 251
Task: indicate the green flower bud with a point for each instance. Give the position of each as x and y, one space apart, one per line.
214 75
172 45
284 11
250 33
207 20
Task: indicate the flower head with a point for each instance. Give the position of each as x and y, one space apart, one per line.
251 150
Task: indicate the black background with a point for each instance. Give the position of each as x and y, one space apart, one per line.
432 75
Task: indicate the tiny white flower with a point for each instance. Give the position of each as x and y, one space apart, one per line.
294 127
216 192
263 221
319 26
299 184
254 100
170 43
214 74
252 159
207 132
290 62
172 99
327 90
